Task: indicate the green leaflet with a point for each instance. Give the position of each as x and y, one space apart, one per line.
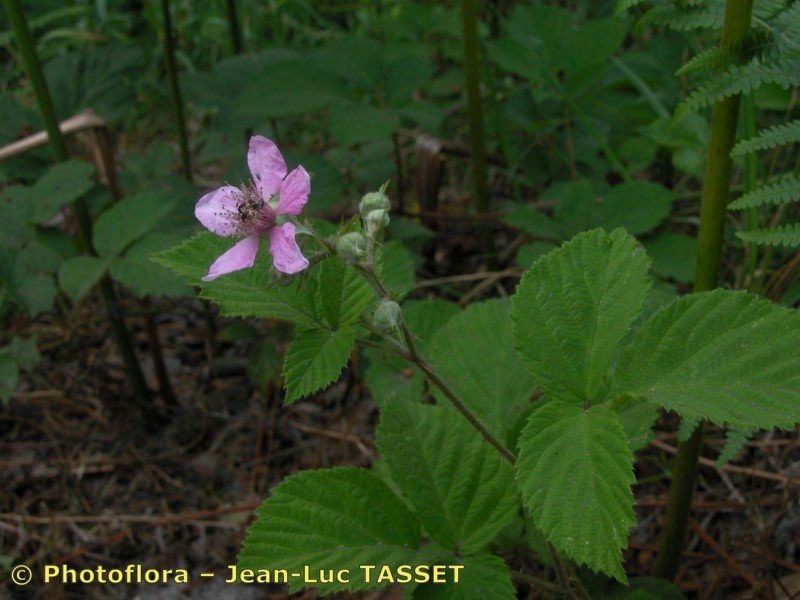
575 470
190 259
459 486
247 293
728 357
673 255
136 271
314 359
474 354
62 184
572 308
483 577
19 355
331 519
126 221
342 294
78 274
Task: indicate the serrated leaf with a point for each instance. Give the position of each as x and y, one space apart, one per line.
728 357
78 274
575 470
331 519
314 359
62 184
246 293
483 577
342 293
128 220
474 354
456 483
254 293
572 308
190 259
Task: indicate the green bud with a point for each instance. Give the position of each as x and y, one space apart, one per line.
388 315
376 220
351 247
373 201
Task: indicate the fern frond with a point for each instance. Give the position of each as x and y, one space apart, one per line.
686 428
777 135
785 235
741 80
715 57
735 439
625 5
787 28
767 9
683 18
780 192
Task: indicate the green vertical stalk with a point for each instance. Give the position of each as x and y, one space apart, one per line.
175 90
710 239
30 60
233 24
469 22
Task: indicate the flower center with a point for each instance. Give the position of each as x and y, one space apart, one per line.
255 215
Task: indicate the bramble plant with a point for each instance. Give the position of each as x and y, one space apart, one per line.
539 402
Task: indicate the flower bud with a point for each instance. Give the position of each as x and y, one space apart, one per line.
373 201
376 220
351 247
388 315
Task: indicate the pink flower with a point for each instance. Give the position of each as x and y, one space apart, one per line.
253 211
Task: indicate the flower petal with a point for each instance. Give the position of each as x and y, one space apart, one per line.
242 255
266 165
286 255
294 192
218 211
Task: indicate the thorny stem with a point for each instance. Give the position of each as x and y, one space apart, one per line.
710 239
58 145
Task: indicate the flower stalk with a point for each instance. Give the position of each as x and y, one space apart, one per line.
710 240
58 145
